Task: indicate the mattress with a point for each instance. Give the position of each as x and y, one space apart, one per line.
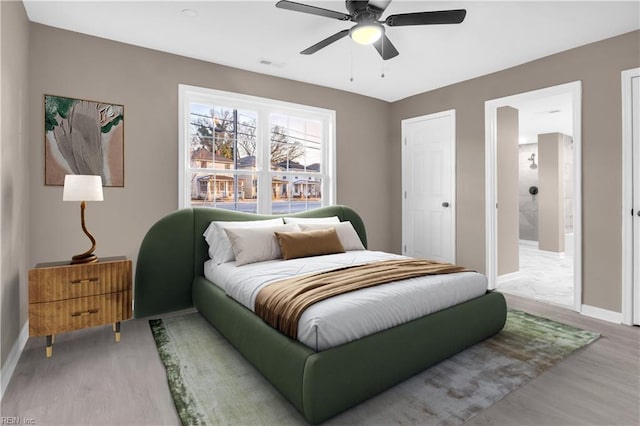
349 316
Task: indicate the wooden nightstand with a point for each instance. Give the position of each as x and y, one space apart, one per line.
65 297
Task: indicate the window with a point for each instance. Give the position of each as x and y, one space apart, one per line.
252 154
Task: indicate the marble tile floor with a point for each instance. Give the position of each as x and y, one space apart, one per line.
543 276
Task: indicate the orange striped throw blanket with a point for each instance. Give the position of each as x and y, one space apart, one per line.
281 303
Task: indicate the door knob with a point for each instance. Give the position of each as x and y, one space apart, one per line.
445 204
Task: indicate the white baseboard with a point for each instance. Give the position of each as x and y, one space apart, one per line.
602 314
14 356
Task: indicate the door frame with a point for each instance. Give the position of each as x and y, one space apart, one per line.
575 89
448 113
629 293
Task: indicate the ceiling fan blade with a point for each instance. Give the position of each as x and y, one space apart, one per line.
324 43
313 10
427 18
385 48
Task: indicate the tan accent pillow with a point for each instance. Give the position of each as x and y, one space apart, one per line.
309 243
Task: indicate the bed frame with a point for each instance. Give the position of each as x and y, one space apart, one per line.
170 277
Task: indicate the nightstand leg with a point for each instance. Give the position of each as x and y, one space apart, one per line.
49 350
116 328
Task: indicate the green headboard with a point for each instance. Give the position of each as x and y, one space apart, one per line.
173 252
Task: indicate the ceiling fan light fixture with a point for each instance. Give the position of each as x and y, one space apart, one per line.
366 33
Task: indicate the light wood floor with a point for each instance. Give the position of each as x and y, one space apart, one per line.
91 380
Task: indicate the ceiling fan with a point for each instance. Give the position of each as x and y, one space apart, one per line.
369 29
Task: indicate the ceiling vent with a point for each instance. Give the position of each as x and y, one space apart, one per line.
270 63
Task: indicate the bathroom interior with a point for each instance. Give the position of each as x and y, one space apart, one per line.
545 203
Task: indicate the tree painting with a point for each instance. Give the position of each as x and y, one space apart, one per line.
83 137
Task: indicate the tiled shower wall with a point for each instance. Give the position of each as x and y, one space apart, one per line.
528 202
568 184
529 177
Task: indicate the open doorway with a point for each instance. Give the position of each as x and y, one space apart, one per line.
533 194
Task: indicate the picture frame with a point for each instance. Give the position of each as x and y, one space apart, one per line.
83 137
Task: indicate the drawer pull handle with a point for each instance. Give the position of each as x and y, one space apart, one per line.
86 280
89 312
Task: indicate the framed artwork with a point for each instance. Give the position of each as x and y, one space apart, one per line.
83 138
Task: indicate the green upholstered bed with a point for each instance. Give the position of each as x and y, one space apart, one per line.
170 277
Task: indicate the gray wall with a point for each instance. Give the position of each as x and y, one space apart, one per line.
507 130
14 169
551 196
598 66
146 83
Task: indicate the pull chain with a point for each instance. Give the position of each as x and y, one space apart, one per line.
382 58
351 50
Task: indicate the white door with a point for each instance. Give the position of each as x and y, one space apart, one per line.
635 120
631 196
428 187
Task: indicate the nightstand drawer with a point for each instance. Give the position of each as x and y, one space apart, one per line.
60 283
74 314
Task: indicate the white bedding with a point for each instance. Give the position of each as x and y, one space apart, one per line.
349 316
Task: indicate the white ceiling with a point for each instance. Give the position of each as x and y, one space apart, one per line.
494 36
544 115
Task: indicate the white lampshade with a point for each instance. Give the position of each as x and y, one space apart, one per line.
366 33
82 188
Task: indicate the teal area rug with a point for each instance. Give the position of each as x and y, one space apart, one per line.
212 384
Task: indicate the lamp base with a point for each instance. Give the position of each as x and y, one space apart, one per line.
84 258
87 256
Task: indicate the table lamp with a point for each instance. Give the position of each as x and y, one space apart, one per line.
83 188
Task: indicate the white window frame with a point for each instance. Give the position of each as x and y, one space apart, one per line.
263 107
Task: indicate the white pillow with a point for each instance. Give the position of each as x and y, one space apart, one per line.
219 245
346 233
252 245
312 220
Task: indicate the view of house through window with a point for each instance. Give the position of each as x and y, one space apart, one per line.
295 162
254 155
222 157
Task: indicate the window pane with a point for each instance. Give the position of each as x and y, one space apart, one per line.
224 136
247 123
201 136
225 191
290 193
295 143
213 138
